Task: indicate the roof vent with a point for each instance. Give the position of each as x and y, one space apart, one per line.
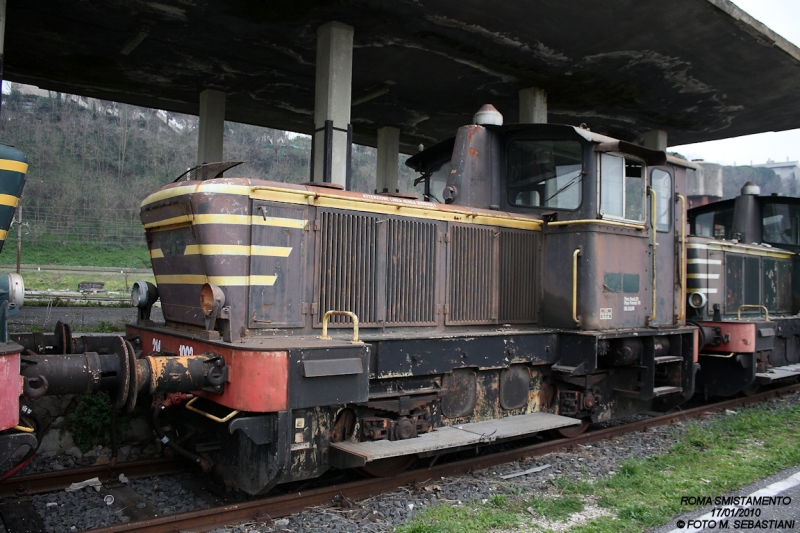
751 188
488 116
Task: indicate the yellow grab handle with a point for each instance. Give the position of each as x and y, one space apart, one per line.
342 313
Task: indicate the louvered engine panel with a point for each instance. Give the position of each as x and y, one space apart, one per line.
518 274
350 267
472 275
411 273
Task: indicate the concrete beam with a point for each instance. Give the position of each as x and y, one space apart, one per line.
211 127
655 140
388 153
533 106
332 100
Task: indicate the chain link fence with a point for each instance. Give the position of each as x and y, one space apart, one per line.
104 227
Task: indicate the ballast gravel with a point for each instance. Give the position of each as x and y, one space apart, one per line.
583 463
70 512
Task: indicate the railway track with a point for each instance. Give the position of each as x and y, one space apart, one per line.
53 481
264 509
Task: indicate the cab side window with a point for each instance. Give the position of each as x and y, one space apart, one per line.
662 185
781 224
622 186
714 224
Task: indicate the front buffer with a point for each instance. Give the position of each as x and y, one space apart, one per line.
270 422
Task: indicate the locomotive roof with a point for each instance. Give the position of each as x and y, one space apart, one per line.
441 152
622 66
729 203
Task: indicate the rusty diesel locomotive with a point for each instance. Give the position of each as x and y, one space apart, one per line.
539 284
536 286
742 260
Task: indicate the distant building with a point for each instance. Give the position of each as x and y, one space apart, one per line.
705 186
786 171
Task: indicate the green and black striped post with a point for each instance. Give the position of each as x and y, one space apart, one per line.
13 166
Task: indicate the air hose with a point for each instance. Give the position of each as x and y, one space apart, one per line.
26 412
172 444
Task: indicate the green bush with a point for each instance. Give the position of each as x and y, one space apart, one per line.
91 419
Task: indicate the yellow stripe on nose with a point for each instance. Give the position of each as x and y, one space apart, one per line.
7 199
14 166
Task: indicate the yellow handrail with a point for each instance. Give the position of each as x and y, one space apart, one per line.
343 313
652 192
209 415
683 257
596 221
750 306
575 255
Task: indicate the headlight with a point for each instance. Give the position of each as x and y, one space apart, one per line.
697 300
143 294
211 298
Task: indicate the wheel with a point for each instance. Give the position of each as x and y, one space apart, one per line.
570 432
391 466
751 390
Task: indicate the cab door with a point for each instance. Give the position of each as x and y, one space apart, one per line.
662 183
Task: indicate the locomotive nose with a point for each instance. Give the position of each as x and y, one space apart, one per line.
13 166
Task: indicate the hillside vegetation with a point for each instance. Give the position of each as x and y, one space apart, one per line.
92 162
734 178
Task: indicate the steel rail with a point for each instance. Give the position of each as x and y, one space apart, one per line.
52 481
284 505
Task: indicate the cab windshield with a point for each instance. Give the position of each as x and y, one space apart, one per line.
545 174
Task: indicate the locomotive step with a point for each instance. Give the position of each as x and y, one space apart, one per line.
352 454
788 371
663 391
667 359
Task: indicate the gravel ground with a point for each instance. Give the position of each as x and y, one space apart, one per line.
382 513
73 458
79 318
69 512
167 495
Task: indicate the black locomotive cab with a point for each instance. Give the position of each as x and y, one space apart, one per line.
743 290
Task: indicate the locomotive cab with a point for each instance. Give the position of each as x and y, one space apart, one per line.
605 206
743 290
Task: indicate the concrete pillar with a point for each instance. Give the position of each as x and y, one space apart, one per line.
655 140
533 106
332 101
211 127
388 153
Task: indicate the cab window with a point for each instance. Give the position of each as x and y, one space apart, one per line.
438 180
714 224
545 174
781 224
621 188
662 185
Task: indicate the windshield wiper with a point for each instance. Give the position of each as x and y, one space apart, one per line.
565 187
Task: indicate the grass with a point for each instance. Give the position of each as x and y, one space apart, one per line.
715 458
56 250
468 518
68 281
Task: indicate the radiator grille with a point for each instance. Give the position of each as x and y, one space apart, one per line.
517 276
471 275
348 267
411 273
